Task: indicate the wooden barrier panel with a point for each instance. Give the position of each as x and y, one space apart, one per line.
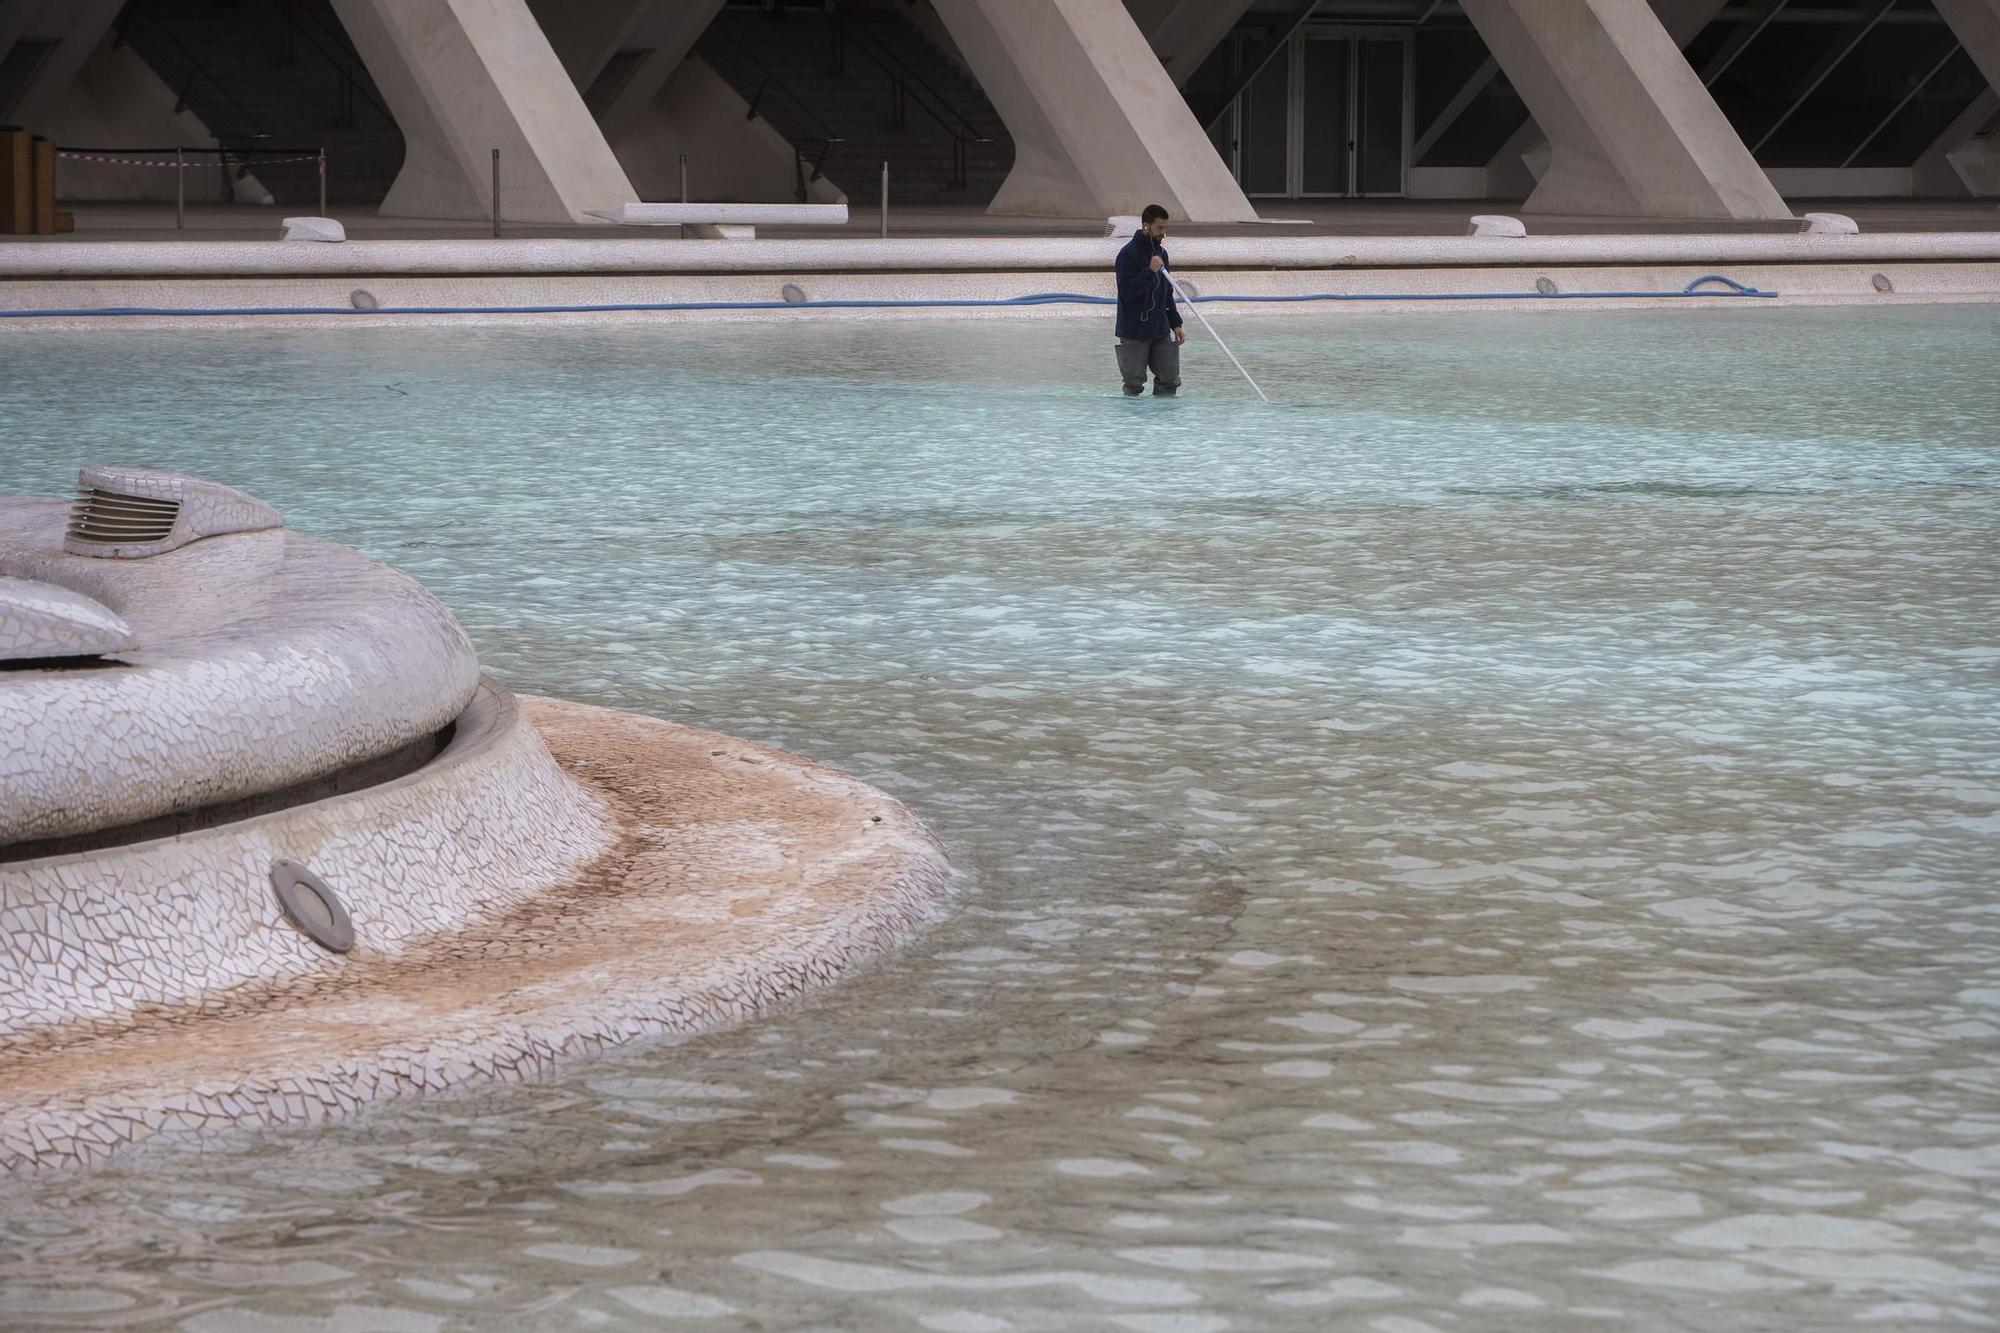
16 183
45 187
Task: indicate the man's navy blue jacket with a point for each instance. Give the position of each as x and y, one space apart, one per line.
1145 298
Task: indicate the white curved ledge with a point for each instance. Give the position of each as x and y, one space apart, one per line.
731 876
131 259
265 659
40 620
486 824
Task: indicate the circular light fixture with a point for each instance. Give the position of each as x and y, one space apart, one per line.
363 299
1880 282
1546 286
311 906
793 293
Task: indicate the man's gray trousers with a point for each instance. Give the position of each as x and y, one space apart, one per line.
1163 355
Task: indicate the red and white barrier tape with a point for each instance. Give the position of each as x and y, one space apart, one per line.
168 162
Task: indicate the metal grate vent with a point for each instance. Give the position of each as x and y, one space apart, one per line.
111 518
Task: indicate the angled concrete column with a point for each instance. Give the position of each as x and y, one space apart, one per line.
1977 26
1966 157
86 91
1631 128
585 34
14 20
1044 182
464 77
1968 152
1519 164
1103 108
668 103
1183 33
667 31
77 29
731 156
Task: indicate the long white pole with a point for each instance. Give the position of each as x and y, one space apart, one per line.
1213 334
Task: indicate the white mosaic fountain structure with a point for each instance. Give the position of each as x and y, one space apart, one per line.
271 846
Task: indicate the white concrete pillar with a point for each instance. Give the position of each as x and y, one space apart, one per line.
670 103
87 92
1977 25
77 28
14 19
667 30
1183 33
1043 182
585 34
731 157
1109 132
117 98
464 77
1965 159
1631 129
1516 168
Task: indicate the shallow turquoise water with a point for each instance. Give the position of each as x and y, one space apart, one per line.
1500 839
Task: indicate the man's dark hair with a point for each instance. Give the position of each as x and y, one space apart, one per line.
1154 213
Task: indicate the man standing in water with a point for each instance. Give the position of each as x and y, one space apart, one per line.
1149 327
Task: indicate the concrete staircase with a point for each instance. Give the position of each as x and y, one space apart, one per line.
855 100
277 73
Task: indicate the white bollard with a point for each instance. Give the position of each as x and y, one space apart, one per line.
314 229
1830 224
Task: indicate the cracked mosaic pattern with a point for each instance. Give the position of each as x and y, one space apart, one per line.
732 877
93 942
43 620
264 659
1501 841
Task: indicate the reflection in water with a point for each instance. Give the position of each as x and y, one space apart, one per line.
1501 840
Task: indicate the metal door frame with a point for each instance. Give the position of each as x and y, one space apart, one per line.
1295 112
1238 121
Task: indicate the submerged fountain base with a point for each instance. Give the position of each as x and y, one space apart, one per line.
734 876
282 852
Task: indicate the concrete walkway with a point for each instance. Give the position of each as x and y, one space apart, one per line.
1331 217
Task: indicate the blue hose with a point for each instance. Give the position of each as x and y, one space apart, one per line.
1731 288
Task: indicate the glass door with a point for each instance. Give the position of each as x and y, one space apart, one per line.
1326 118
1264 154
1380 117
1325 105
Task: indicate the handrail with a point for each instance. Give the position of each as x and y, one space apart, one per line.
899 70
345 61
250 127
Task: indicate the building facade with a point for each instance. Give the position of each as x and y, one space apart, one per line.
1086 108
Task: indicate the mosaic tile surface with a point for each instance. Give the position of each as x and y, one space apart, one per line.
91 941
737 875
264 659
43 620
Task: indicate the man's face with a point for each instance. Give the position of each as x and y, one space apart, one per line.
1157 229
